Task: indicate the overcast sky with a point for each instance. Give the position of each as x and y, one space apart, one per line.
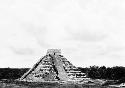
89 32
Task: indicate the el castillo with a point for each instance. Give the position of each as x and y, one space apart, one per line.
53 67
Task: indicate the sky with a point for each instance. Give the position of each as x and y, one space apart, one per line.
88 32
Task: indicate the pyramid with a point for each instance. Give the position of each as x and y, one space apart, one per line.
52 67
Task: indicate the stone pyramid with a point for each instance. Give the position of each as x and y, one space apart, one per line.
52 67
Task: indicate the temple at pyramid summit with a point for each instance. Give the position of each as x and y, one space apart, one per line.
53 67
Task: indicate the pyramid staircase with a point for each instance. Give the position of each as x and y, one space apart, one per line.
53 67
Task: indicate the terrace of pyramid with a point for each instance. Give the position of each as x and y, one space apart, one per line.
53 67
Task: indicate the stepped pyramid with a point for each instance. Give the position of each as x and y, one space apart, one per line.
52 67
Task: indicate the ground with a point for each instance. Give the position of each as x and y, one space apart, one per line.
16 84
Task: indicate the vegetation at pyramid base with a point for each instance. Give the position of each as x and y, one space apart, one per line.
94 72
12 73
109 73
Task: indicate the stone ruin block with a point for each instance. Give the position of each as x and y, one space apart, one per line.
54 51
52 67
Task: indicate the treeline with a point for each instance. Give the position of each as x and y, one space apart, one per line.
94 72
109 73
12 73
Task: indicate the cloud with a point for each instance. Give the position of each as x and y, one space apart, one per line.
22 51
88 32
85 35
